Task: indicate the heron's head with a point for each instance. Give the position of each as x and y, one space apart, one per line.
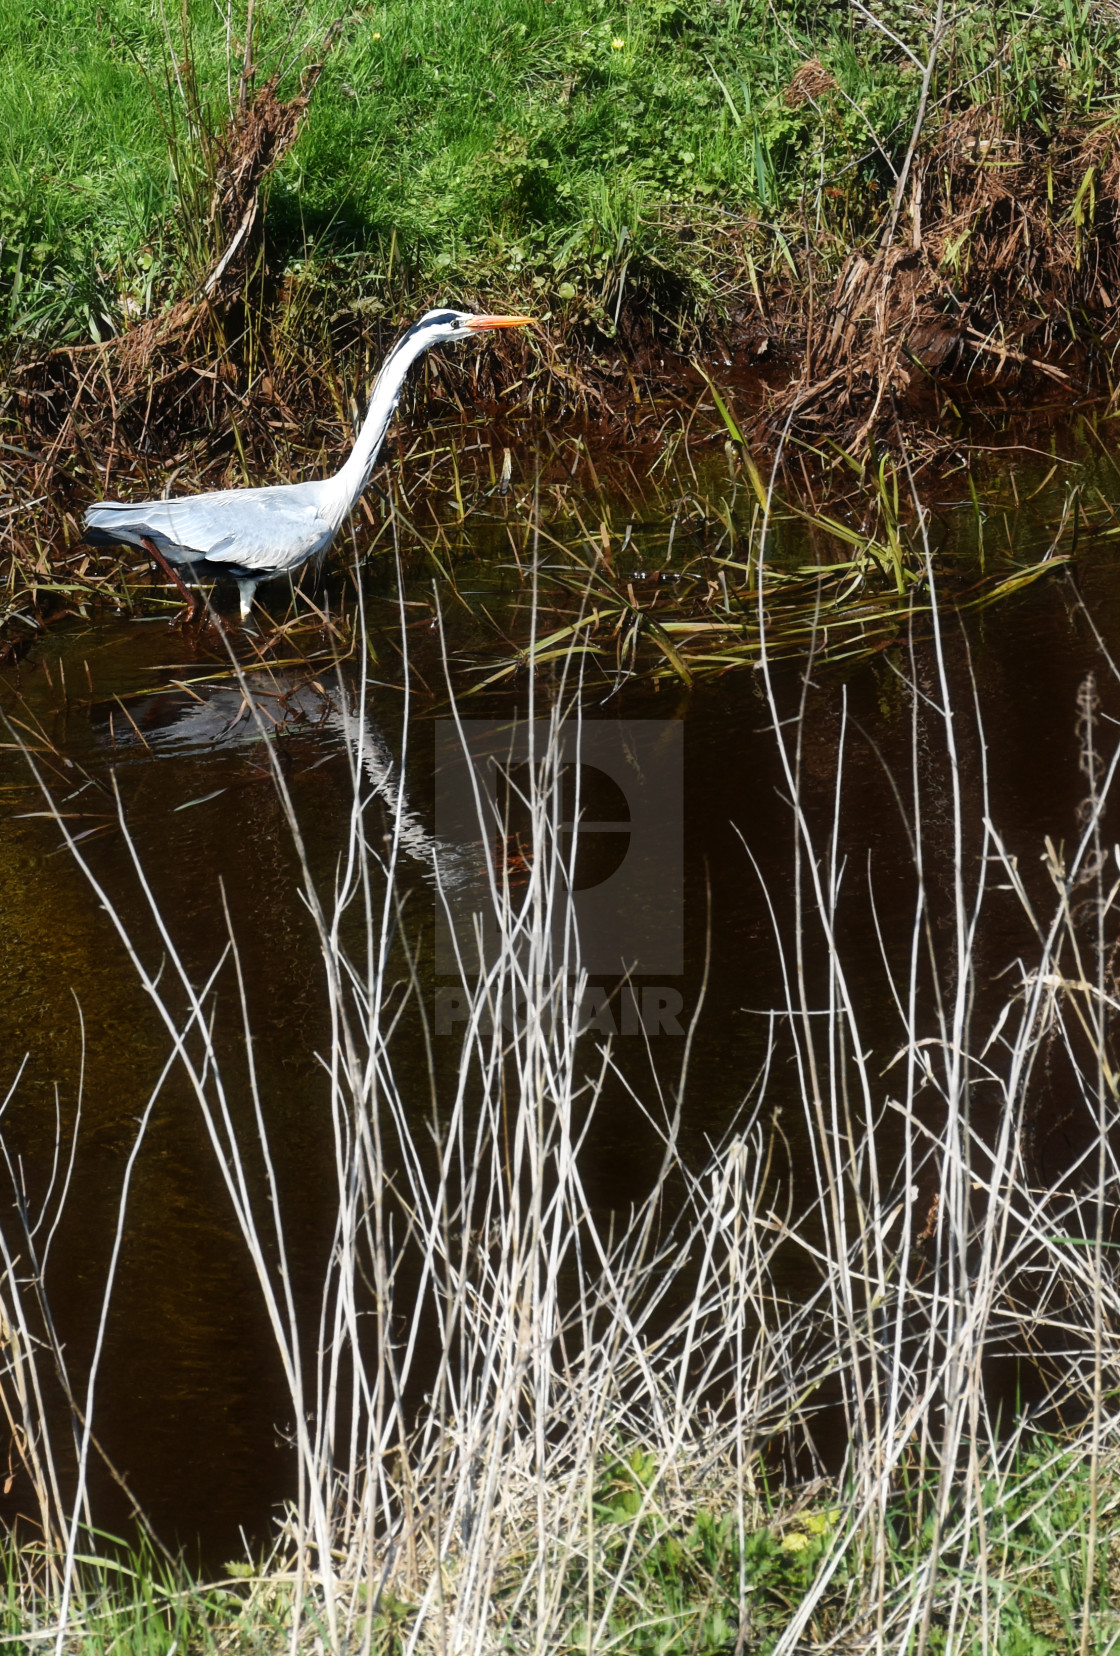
439 325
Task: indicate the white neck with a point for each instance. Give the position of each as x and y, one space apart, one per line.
347 484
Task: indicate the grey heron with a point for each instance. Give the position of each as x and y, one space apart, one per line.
251 535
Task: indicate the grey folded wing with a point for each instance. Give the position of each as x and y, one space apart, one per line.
253 529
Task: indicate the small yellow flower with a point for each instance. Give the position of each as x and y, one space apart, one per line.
376 35
617 44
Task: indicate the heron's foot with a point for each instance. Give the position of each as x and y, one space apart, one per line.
195 618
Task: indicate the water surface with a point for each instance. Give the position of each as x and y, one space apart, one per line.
191 1405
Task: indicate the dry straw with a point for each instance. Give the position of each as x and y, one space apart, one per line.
605 1386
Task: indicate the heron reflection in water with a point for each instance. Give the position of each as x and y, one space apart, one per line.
206 718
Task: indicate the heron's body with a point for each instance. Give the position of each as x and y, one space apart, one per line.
244 535
252 535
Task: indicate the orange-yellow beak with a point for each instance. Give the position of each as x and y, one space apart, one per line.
478 323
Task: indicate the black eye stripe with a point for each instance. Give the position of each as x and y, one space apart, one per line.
433 320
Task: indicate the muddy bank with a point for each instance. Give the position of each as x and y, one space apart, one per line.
995 271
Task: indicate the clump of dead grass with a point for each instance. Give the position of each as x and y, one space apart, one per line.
1005 266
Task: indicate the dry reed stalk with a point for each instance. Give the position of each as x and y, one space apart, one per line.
924 1244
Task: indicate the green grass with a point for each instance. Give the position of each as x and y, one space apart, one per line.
491 143
675 1572
1012 1584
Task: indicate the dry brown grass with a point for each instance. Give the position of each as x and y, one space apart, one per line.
1005 267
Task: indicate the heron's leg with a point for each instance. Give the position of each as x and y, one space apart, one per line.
191 599
247 590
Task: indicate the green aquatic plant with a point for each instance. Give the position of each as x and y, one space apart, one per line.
752 593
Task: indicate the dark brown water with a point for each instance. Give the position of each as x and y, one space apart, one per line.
191 1405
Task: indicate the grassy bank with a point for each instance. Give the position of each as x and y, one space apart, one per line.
504 145
856 223
668 1568
529 147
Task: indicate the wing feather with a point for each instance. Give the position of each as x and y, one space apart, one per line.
270 529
